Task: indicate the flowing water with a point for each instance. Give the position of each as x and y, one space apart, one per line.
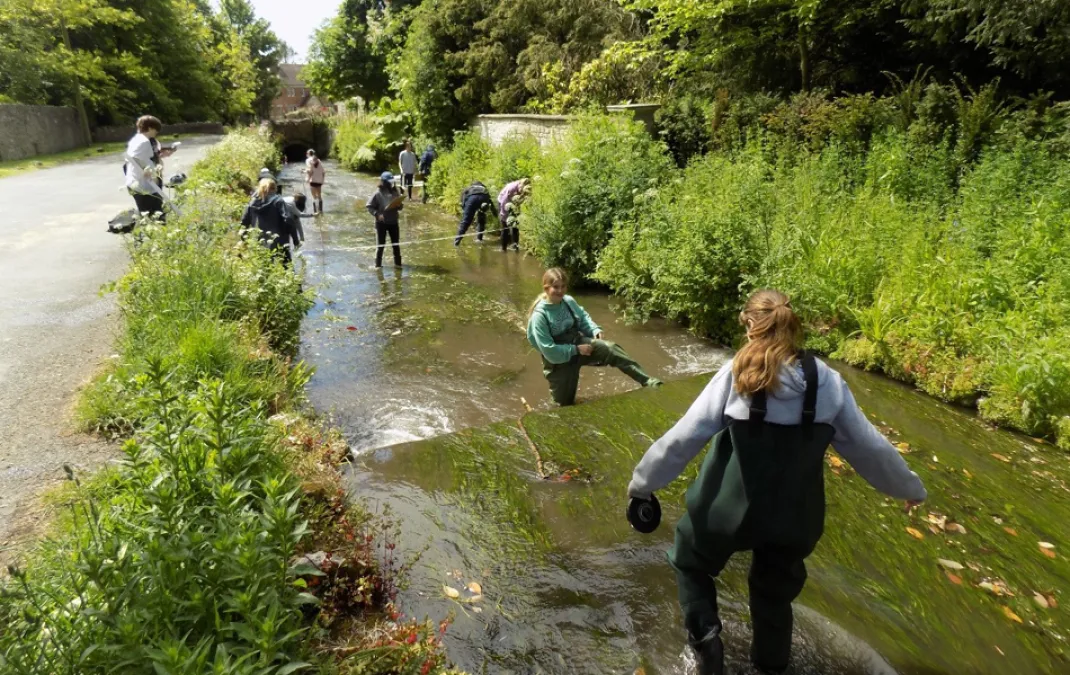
435 350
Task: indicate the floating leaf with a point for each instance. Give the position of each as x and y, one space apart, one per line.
915 533
451 592
1041 601
351 327
1011 615
1048 552
967 473
937 520
949 564
954 578
475 588
1045 544
1011 531
1000 457
999 650
903 448
955 527
475 598
834 461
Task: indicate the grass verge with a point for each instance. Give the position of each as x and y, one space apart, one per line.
223 541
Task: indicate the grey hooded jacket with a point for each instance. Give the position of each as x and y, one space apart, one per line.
856 439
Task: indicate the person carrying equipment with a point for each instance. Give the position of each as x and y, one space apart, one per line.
567 340
384 206
772 412
475 202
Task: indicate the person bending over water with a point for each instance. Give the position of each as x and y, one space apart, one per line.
771 411
568 339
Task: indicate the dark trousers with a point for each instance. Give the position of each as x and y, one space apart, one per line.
149 204
510 235
406 181
777 576
466 221
381 230
564 378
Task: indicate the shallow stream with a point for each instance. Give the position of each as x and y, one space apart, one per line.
435 350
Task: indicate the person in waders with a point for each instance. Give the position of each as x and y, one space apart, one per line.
568 339
772 411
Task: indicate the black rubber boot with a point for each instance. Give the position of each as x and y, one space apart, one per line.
709 653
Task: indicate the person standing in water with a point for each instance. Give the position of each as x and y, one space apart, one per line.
317 176
568 339
384 206
427 160
772 411
407 164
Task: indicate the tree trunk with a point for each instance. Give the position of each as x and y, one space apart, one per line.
804 59
79 104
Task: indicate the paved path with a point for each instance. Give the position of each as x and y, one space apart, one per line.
55 328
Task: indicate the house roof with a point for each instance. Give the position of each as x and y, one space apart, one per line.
290 73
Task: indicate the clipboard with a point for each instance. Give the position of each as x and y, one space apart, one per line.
396 204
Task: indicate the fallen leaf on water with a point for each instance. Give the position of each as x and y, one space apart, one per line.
475 588
1040 600
999 650
1052 602
834 461
949 564
937 519
477 610
640 671
451 592
967 473
1048 552
974 566
475 598
1011 615
995 587
1000 457
955 527
1045 544
954 578
915 533
935 530
1011 531
903 448
351 327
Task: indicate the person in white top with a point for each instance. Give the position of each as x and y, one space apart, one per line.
316 173
407 163
142 167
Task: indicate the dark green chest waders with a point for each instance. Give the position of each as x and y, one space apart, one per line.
761 488
564 378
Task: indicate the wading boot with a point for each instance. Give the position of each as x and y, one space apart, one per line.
709 653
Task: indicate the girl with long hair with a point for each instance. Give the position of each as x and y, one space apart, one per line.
568 339
772 412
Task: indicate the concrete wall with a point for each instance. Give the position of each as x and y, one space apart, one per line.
123 133
545 128
30 130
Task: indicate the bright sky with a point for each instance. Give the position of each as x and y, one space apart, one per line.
295 20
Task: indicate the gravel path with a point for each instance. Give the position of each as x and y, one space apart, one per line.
55 328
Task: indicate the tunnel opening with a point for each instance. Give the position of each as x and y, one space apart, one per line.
295 152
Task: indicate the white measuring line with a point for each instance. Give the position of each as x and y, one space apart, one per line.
414 241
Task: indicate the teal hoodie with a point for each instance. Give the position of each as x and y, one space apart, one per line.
548 321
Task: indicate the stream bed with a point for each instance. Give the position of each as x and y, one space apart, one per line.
427 371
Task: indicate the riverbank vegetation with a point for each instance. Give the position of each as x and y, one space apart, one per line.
223 540
181 61
898 167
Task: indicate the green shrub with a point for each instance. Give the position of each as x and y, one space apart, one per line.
684 125
231 167
596 175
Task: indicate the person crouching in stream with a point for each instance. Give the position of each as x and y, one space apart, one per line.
475 202
272 216
568 339
772 411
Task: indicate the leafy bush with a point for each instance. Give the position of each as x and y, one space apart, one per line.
372 142
471 158
596 175
684 125
231 166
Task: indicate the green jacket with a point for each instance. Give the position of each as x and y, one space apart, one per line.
552 329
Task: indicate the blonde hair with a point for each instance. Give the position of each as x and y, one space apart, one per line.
265 188
551 277
774 335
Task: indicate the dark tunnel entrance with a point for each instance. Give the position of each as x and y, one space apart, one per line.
295 152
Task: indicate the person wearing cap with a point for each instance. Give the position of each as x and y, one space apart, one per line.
384 206
317 176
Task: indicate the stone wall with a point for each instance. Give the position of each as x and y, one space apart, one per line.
123 133
30 130
546 128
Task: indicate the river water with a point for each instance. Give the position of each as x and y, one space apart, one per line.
435 350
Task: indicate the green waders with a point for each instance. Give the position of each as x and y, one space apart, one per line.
761 488
564 378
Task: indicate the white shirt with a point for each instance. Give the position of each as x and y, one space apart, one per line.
407 160
316 173
141 172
